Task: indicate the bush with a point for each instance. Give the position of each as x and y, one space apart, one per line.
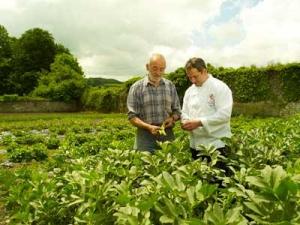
20 153
53 142
10 98
65 81
105 99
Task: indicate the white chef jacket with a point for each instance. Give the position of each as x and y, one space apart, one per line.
211 103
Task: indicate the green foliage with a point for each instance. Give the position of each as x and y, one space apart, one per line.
35 50
98 81
24 60
60 49
179 78
26 82
108 98
53 142
291 81
216 215
127 84
27 153
95 177
10 98
251 84
274 198
63 63
105 99
65 81
247 84
29 139
276 83
5 61
6 84
5 45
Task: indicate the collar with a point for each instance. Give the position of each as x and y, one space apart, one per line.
205 82
147 81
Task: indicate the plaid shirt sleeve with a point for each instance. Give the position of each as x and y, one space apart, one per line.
132 103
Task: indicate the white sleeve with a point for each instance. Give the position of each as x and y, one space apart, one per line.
223 104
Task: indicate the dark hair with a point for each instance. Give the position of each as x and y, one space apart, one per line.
196 63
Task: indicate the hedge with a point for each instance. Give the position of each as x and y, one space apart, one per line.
278 83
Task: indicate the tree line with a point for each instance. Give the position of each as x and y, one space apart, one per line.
35 64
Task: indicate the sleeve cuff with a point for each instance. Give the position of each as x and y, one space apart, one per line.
131 115
204 123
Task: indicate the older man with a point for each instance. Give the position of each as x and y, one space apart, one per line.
153 102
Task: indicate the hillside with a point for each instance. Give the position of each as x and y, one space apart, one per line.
99 81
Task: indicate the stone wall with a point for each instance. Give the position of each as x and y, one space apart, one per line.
254 109
37 106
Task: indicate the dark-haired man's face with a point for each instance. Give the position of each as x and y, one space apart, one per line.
196 77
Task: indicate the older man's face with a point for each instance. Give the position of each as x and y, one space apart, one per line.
156 68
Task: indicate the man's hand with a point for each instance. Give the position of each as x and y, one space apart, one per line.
190 125
153 129
169 122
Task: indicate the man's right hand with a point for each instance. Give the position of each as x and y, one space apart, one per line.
153 129
141 124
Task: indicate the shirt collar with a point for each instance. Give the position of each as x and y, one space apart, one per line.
205 82
147 82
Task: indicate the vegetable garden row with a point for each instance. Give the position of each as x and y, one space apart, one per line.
81 169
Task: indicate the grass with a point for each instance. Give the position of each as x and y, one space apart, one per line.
2 157
11 117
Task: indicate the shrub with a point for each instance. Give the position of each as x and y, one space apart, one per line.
10 98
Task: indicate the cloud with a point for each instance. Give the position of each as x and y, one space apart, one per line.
114 38
8 5
272 32
268 34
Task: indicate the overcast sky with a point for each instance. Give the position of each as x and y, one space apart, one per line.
114 38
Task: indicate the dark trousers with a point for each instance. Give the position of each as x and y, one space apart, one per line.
148 142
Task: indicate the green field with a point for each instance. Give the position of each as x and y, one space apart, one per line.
81 169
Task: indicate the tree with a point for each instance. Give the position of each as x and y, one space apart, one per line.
32 53
5 61
6 84
180 80
5 47
65 82
68 61
35 50
59 49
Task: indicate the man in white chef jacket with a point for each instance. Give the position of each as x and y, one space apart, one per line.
206 111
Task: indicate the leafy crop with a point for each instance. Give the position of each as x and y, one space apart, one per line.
94 177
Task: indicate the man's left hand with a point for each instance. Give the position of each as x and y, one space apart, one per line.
190 125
